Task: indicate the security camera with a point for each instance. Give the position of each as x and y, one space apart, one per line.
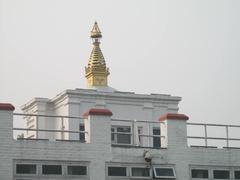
147 156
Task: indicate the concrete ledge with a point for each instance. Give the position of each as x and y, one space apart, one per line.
99 112
6 107
137 147
173 116
215 147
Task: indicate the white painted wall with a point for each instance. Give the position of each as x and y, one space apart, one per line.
124 105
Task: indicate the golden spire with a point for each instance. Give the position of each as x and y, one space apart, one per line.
96 72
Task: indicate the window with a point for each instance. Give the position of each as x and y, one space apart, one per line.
237 174
26 169
156 140
81 135
52 169
121 134
77 170
140 172
221 174
164 172
117 171
140 138
200 173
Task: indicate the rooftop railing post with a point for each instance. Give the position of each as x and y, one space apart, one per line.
37 127
149 133
205 135
227 136
132 131
62 128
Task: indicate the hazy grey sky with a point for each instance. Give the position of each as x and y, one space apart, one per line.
185 48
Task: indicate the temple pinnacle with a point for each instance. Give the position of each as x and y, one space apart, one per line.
96 72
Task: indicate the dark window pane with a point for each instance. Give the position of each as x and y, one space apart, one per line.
140 172
124 138
237 174
52 169
112 135
156 140
26 169
199 173
117 171
77 170
164 172
221 174
81 135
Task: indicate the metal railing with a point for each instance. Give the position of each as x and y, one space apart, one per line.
222 136
137 133
136 138
35 120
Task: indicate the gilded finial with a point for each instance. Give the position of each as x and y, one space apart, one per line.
96 71
96 33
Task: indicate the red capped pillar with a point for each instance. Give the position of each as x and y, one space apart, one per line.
98 126
174 129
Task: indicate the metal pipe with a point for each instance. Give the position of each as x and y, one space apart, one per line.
205 134
227 135
47 130
41 115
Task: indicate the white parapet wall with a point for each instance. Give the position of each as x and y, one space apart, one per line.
98 154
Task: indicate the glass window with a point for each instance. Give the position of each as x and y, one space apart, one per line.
237 174
221 174
140 138
124 138
140 172
200 173
26 169
164 172
52 169
113 135
77 170
156 140
117 171
81 135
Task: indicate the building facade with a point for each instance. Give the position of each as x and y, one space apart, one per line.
105 134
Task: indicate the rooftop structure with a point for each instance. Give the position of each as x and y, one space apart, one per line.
105 134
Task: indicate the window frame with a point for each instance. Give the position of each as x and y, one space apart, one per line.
81 134
219 169
115 166
79 175
140 177
39 169
156 128
234 172
114 137
25 174
164 167
212 168
46 164
196 168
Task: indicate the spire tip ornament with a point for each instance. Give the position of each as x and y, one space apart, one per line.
96 33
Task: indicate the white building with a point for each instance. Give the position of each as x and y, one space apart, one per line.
101 133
